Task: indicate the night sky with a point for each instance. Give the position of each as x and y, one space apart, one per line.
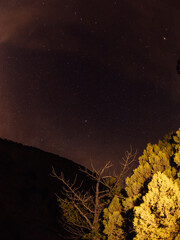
87 79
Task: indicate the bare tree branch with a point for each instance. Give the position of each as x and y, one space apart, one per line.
72 193
90 206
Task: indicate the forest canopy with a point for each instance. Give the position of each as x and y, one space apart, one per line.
147 208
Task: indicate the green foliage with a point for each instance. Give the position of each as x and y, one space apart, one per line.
115 187
177 237
77 223
94 235
151 199
177 147
113 220
158 217
163 157
70 213
111 182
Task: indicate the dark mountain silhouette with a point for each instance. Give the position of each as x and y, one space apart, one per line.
28 201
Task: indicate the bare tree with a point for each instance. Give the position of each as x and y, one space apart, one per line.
83 210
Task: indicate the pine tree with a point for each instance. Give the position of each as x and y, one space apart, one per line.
113 220
158 217
163 157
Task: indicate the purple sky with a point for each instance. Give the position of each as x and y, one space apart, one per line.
85 79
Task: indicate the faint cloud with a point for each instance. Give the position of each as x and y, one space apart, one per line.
35 24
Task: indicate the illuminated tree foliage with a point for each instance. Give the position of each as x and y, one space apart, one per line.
163 157
113 220
74 219
148 208
158 217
